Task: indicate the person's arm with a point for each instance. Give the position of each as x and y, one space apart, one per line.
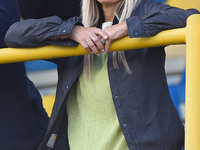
40 113
31 8
42 32
155 17
36 32
8 15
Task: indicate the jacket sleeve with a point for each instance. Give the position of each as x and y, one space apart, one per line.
155 17
31 8
36 32
39 111
8 15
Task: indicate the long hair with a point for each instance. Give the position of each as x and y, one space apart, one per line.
90 18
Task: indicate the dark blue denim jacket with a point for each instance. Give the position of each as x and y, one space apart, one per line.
147 116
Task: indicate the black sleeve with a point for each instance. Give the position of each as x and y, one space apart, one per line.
31 8
36 9
36 32
156 17
40 114
8 15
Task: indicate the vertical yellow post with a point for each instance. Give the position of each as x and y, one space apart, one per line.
192 122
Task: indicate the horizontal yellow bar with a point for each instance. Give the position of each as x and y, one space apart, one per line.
169 37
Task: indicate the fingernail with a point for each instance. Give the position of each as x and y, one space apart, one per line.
103 50
105 37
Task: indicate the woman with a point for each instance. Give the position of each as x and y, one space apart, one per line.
115 101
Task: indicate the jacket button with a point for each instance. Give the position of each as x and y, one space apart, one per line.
67 87
64 30
116 97
136 33
124 125
111 69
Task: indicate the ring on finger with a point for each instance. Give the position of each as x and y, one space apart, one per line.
88 41
101 39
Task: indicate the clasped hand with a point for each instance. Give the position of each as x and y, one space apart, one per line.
95 40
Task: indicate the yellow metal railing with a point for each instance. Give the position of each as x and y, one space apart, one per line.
192 124
189 35
9 55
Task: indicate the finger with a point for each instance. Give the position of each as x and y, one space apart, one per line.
102 33
107 46
93 47
97 41
102 40
86 47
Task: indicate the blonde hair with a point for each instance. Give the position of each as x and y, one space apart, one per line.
90 18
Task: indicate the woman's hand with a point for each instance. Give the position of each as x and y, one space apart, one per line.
115 32
89 38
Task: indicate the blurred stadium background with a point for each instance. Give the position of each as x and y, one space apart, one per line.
44 74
